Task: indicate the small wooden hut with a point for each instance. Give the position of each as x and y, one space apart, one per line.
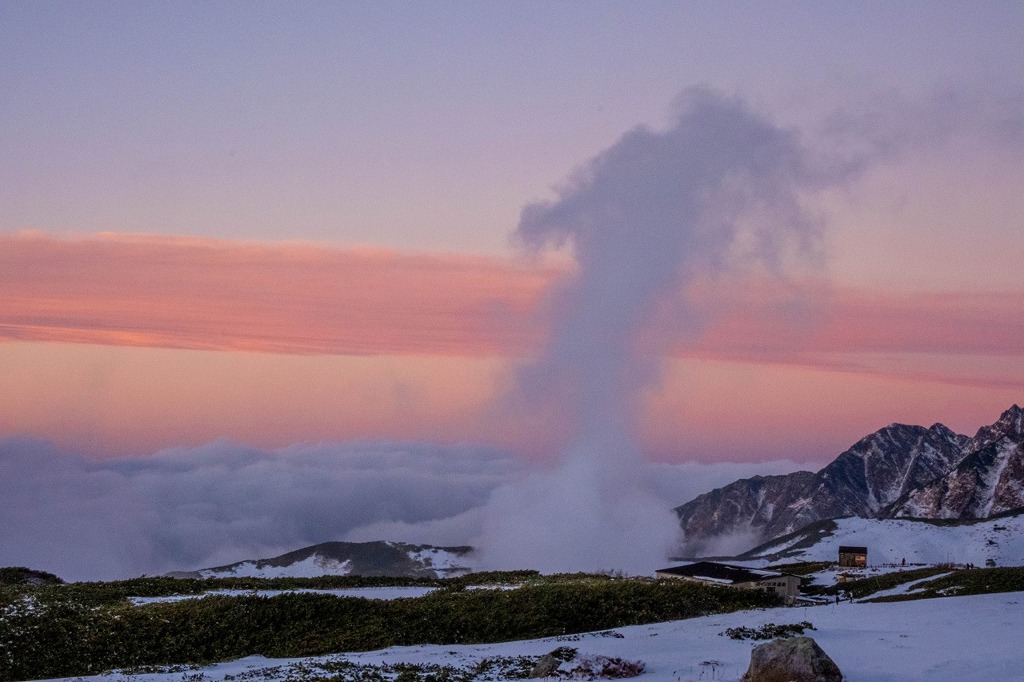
853 557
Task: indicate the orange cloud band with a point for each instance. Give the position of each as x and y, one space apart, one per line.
771 318
199 293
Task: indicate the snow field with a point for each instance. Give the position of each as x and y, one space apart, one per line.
889 541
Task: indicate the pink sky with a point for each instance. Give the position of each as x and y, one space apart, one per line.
290 223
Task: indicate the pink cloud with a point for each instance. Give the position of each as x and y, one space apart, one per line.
964 338
280 298
197 293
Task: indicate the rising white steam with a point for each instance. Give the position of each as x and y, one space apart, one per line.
718 190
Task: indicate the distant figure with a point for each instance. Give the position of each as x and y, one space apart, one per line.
837 597
903 562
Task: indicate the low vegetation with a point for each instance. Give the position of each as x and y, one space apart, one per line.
802 568
88 628
101 593
768 631
340 670
19 575
965 582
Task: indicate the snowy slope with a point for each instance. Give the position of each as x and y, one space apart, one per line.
345 558
312 566
892 540
957 639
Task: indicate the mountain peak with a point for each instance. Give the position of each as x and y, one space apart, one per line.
1009 424
899 470
1014 414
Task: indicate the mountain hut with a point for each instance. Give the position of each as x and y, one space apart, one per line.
853 557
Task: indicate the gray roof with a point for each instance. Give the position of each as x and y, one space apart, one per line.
715 572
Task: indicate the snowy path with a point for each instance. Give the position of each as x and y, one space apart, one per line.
905 588
385 593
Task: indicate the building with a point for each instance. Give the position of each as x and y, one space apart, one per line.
785 585
853 557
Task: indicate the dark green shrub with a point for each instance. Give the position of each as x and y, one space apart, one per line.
768 631
69 630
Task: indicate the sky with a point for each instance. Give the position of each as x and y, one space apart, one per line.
258 227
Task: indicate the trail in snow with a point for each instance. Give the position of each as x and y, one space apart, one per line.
383 593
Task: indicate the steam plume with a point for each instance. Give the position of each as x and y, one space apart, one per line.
718 190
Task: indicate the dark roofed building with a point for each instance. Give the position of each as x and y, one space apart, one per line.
783 584
853 557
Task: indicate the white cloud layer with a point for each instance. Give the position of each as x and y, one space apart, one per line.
189 508
221 502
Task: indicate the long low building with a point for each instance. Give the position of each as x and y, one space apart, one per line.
785 585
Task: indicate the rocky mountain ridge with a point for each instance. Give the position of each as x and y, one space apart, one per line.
988 480
900 471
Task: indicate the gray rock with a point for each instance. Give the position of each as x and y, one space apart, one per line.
796 659
546 666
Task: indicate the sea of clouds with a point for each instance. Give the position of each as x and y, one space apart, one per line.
187 508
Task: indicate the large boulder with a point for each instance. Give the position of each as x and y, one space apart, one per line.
796 659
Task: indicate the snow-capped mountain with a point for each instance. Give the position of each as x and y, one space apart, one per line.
898 471
988 480
350 558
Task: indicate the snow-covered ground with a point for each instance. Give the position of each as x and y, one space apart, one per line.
956 639
444 562
385 593
905 588
835 574
889 541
